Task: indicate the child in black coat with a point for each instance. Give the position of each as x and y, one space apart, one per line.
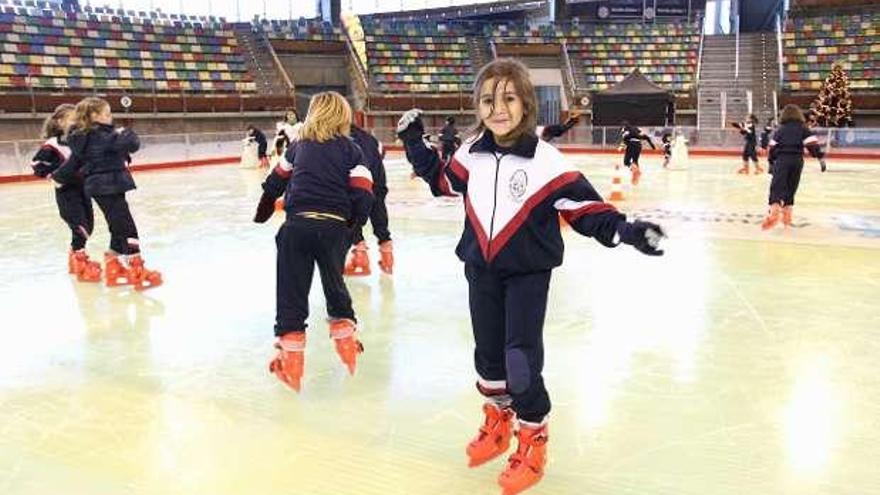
787 156
74 206
101 153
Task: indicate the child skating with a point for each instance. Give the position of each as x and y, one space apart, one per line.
631 138
327 192
74 206
101 154
787 159
515 186
750 145
359 262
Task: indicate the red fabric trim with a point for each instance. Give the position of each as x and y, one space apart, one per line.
490 392
482 238
280 172
458 169
361 183
56 150
516 222
572 215
443 181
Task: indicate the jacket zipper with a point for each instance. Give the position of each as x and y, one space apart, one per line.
494 204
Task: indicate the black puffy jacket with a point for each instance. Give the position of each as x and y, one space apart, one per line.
101 153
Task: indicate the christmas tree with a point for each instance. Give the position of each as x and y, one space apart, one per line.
833 106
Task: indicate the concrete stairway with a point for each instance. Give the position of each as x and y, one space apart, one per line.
758 74
259 61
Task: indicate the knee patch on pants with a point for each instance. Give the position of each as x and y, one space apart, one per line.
519 375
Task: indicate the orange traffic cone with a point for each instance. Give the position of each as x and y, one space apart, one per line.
616 186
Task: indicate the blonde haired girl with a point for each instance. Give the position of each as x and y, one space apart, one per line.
101 153
327 190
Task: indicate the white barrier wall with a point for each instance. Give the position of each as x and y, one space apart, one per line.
15 156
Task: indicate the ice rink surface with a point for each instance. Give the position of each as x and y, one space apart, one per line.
742 362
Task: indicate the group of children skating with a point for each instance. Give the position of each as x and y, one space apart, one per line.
510 244
514 186
87 158
784 147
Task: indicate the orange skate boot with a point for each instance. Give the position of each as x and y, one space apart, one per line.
636 174
786 216
141 277
493 438
772 217
386 251
71 262
526 466
115 273
344 334
85 269
289 363
359 263
744 170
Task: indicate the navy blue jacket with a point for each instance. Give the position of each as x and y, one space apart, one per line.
749 133
373 156
101 154
262 145
326 177
513 200
789 141
632 137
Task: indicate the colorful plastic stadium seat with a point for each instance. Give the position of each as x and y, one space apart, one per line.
813 44
94 50
605 53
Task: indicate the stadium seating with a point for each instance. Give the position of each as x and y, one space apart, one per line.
666 53
107 49
303 30
812 45
418 57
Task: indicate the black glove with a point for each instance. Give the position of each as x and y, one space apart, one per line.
265 208
644 236
410 126
274 185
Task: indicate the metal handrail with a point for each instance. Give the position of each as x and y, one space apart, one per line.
357 61
569 69
284 75
700 56
779 50
736 61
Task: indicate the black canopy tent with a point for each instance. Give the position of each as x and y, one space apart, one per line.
636 100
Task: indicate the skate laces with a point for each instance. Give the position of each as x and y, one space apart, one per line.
494 417
522 450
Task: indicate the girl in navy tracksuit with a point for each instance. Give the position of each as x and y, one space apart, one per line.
515 186
750 144
262 145
74 206
359 263
101 153
631 138
787 159
327 191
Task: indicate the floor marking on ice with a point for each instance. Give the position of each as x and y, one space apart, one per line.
707 216
869 226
